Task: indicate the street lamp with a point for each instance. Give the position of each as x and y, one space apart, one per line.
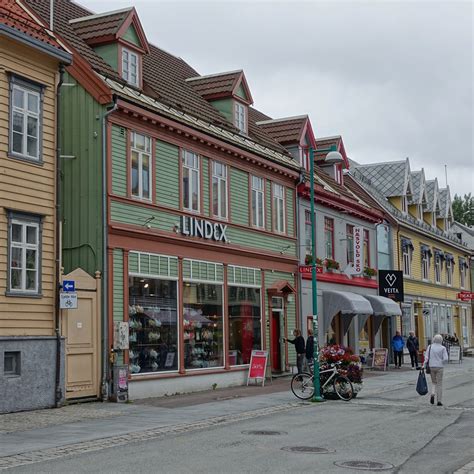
332 157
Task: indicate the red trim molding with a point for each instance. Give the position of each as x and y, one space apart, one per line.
343 279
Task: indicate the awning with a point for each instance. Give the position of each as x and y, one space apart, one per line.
440 254
407 243
450 258
425 249
346 303
383 307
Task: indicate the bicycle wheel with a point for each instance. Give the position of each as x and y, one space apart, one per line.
302 386
343 388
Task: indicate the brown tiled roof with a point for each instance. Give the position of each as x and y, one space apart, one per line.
164 75
14 16
325 143
94 27
284 130
215 84
334 184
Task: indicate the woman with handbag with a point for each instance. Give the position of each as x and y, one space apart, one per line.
436 356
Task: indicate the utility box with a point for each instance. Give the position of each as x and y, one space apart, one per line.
120 384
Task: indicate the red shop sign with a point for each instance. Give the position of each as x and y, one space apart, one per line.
258 366
307 269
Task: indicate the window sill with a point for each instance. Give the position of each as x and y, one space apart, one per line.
26 159
14 294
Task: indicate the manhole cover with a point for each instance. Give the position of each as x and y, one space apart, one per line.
365 465
264 432
307 449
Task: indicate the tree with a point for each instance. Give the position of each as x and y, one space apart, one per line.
463 209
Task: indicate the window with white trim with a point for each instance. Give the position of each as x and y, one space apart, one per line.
462 275
308 231
130 66
406 255
437 268
191 184
24 254
25 119
240 117
140 151
449 272
425 265
219 190
279 207
258 214
404 204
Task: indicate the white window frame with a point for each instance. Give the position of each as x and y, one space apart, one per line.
147 152
462 276
404 205
240 116
19 85
258 197
437 269
220 180
127 63
191 164
449 272
425 266
24 246
406 256
278 191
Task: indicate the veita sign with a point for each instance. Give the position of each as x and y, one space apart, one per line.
204 229
391 284
358 250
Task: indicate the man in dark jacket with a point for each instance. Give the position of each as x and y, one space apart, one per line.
298 342
413 346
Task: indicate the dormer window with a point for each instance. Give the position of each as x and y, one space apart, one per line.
404 205
240 117
130 66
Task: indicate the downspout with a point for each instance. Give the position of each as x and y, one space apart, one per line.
105 272
58 389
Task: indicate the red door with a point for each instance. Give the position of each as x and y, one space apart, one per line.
275 342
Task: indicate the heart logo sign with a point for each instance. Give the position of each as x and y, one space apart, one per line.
391 279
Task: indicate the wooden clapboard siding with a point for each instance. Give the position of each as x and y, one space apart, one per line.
29 188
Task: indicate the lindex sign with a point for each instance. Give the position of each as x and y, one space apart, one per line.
465 296
306 269
391 284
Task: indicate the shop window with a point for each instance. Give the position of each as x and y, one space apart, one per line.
12 363
329 237
245 329
308 228
366 248
141 165
26 104
279 207
24 254
436 325
219 190
448 320
191 185
258 214
153 322
203 325
406 320
350 243
130 67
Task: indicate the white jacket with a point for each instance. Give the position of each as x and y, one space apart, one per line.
436 355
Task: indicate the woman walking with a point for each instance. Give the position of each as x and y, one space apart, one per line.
436 356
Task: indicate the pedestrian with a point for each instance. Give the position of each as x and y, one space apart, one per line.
397 345
436 356
310 349
298 342
413 346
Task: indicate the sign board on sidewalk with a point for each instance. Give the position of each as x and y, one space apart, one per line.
391 284
379 360
67 300
358 233
69 286
455 354
306 269
258 366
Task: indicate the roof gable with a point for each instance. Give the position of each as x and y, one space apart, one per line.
286 130
325 144
444 200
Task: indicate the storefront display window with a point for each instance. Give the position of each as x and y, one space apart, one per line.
153 325
203 325
244 323
406 320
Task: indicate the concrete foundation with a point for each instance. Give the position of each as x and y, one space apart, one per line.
33 386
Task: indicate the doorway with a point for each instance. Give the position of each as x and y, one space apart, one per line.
277 307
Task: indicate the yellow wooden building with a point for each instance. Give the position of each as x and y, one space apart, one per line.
30 60
434 261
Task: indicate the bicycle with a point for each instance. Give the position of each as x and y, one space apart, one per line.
302 385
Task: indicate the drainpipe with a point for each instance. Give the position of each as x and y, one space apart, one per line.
58 389
105 272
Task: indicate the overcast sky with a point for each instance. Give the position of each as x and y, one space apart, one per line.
394 78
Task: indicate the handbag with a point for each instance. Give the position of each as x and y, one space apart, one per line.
421 385
427 365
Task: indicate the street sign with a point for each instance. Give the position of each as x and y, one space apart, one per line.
258 366
465 296
69 286
67 300
306 269
391 284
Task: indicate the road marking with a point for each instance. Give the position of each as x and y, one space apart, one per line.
49 454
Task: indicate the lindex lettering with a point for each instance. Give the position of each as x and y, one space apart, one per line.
204 229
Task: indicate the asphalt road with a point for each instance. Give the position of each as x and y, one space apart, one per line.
395 426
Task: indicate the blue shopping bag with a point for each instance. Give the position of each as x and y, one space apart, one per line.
421 385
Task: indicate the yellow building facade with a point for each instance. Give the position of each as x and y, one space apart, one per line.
30 59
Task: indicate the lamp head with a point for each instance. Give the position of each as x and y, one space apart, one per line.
333 157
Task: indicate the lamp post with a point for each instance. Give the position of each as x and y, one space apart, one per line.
333 156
